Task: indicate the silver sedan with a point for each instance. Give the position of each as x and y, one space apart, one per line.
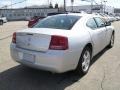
62 42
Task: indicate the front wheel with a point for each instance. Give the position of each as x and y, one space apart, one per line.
84 62
1 22
111 44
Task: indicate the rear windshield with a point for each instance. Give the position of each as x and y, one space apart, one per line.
58 22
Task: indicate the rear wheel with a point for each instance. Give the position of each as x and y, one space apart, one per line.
84 62
1 22
111 44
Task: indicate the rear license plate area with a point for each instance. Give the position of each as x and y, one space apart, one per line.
29 57
26 57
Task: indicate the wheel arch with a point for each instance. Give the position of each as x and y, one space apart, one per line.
90 46
87 45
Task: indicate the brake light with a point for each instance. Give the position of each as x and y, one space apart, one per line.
58 43
14 38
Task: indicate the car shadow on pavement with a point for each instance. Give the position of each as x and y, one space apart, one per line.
96 57
23 78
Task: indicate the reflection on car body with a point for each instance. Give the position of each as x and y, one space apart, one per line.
63 42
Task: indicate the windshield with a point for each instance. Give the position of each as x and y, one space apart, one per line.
58 22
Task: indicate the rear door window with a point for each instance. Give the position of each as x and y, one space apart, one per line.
91 23
100 22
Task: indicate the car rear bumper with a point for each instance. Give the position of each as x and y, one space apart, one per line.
54 61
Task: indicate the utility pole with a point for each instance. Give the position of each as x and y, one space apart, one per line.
64 5
91 5
105 6
102 6
48 2
91 1
26 3
72 1
11 4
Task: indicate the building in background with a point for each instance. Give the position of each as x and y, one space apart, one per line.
94 8
117 11
25 13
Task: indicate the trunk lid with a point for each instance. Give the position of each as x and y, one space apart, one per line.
36 39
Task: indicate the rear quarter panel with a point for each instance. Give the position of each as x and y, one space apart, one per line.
110 30
78 39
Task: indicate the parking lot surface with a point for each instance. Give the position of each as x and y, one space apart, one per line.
104 73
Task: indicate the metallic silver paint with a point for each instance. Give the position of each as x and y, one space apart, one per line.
60 60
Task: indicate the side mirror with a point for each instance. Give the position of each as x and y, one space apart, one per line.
108 23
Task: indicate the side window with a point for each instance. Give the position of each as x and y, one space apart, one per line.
91 23
100 22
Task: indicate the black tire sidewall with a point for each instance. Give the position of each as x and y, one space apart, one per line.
110 44
79 69
1 22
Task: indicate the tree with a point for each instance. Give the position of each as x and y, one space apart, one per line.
50 6
56 5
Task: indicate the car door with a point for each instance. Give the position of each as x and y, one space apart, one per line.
102 32
97 32
109 30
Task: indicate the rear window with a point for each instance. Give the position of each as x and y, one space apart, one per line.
58 22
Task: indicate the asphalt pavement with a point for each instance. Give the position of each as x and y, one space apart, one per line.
104 73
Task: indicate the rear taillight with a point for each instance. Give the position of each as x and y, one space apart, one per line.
14 38
58 43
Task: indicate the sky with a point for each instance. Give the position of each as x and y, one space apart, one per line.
113 3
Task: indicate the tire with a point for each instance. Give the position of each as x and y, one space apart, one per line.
84 61
1 22
111 44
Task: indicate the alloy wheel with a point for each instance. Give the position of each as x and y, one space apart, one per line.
86 61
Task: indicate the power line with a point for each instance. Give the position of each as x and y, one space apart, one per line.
13 4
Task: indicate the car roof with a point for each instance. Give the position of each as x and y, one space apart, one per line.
84 14
76 14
